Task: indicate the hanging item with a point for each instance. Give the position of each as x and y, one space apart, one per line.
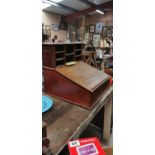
99 26
55 27
91 28
96 39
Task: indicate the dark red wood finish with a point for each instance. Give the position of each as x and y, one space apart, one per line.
67 85
59 86
48 56
55 55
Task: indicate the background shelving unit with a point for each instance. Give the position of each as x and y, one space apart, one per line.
78 52
55 55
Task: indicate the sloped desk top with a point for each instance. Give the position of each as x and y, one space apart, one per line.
79 84
84 75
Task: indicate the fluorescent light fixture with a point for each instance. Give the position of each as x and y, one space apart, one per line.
47 3
99 11
56 1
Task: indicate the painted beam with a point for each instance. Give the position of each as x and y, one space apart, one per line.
83 12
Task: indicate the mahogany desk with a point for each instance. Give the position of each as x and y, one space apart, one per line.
66 121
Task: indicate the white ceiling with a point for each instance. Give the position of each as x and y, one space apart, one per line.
75 4
57 10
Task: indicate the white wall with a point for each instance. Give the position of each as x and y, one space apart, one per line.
51 18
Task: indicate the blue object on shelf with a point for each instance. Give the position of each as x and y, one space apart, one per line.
47 103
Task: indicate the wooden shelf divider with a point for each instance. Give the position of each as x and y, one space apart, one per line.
59 52
59 59
56 55
68 54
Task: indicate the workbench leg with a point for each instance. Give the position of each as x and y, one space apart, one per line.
107 120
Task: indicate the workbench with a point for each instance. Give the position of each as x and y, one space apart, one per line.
66 121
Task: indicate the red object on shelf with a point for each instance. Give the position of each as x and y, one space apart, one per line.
86 146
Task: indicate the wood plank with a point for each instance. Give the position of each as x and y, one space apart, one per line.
57 52
78 55
44 131
67 54
66 121
107 120
44 124
108 150
59 59
84 75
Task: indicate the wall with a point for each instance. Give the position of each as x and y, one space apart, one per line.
51 18
106 19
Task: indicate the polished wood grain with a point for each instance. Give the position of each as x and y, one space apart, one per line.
48 56
59 86
84 75
79 84
43 124
54 55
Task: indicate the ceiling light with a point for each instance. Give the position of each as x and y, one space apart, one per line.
56 1
48 3
99 11
45 5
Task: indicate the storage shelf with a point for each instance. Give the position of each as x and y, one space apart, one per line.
108 26
60 65
59 59
60 52
70 54
78 55
78 49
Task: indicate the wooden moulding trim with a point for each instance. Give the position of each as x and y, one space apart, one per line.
105 80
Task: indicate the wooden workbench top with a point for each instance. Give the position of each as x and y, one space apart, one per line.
65 120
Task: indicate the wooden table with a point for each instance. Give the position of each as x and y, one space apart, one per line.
66 121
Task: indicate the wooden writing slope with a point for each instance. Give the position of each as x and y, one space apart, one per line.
79 84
